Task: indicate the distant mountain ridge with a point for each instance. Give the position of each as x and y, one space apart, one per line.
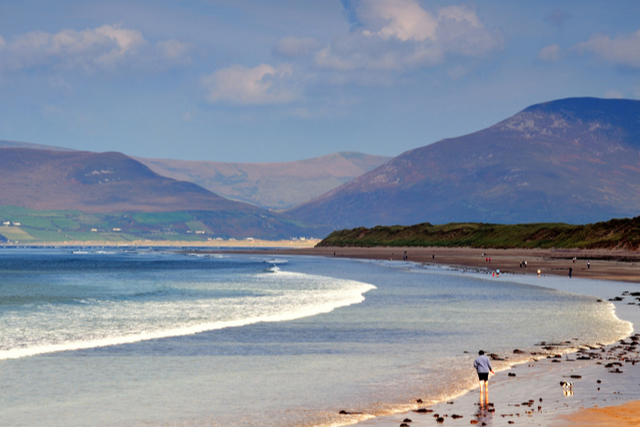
96 183
17 144
279 185
574 160
112 183
270 185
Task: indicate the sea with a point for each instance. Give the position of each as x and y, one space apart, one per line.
180 337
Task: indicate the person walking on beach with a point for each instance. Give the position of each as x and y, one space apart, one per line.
483 367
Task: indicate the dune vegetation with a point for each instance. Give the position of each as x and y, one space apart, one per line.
623 234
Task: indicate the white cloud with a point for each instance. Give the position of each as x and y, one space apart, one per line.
461 32
550 53
292 46
98 49
623 50
402 19
263 84
400 34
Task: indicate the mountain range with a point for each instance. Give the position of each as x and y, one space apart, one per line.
575 160
270 185
112 183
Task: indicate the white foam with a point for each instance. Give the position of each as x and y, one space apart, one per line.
276 261
102 321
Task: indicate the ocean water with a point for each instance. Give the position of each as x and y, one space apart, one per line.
160 338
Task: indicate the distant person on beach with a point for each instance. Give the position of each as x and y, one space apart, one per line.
570 272
588 265
483 367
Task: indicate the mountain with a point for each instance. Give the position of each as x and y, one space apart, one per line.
574 160
270 185
112 183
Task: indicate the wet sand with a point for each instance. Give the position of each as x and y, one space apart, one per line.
606 380
604 264
530 394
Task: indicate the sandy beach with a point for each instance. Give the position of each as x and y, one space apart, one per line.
591 264
606 380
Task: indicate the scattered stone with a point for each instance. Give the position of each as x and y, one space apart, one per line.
407 420
516 351
423 410
404 425
599 382
419 400
456 416
511 374
439 420
473 422
576 376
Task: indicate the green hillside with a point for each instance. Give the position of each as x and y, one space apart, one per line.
614 234
34 226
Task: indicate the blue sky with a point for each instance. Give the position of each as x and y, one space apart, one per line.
283 80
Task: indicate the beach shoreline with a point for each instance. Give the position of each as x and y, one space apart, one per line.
538 398
616 265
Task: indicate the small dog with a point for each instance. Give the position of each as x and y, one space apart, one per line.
565 384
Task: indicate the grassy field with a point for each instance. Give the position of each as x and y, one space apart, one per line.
614 234
74 226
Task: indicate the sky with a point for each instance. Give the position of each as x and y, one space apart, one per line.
284 80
